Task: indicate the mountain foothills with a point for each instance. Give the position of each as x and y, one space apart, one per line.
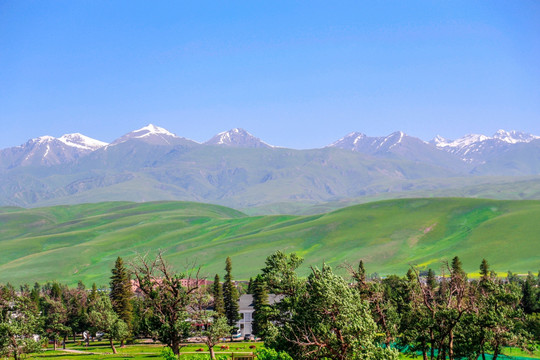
237 169
389 236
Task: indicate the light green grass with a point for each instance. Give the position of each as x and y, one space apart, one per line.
81 242
102 350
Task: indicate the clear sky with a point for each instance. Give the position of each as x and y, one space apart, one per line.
299 74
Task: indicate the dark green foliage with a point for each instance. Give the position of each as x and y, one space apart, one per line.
121 292
217 293
230 295
484 269
431 282
76 302
260 300
19 321
280 274
457 267
35 294
93 293
330 320
271 354
320 317
55 319
55 291
103 318
531 295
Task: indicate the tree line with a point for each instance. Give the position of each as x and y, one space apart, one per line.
321 316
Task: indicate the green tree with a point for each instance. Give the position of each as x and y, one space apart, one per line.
217 293
216 329
121 293
531 296
484 270
93 293
431 281
332 321
104 318
260 302
19 321
166 300
279 274
76 302
55 320
230 295
271 354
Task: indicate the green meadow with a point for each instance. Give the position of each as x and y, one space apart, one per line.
81 242
102 350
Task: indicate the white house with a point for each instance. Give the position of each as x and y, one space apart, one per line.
246 310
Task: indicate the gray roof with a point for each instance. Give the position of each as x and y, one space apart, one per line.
246 301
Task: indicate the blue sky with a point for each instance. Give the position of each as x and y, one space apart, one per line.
298 74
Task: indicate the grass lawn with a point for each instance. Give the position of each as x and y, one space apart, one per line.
509 354
102 350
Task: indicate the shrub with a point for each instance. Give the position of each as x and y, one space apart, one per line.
271 354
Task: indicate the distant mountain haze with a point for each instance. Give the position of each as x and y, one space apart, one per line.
235 168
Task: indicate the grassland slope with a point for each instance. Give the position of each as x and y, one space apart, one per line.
81 242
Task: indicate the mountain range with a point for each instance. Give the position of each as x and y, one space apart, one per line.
235 168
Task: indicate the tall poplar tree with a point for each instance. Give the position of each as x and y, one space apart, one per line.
230 295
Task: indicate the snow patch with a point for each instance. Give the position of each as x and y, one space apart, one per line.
151 129
81 141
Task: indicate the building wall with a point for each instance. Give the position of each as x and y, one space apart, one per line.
245 323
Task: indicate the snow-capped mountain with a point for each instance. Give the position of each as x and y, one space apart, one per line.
360 142
151 134
237 138
397 145
48 150
81 141
476 148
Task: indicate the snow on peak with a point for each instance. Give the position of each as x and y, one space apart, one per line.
513 137
439 141
401 135
150 133
43 139
352 138
465 141
237 137
81 141
510 137
226 137
151 129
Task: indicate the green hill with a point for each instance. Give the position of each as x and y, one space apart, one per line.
68 243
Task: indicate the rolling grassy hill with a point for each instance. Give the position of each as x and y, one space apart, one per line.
81 242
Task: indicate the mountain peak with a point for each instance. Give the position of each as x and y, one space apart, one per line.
42 139
48 150
513 136
81 141
151 134
152 129
349 140
440 141
360 142
237 137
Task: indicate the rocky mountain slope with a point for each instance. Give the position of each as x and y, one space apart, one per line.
237 169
